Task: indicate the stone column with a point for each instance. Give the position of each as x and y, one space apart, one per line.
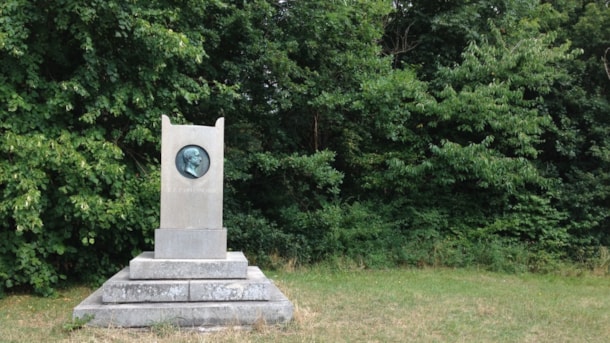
192 159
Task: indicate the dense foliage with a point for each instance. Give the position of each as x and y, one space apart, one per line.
381 132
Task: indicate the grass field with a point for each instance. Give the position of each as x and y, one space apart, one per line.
407 305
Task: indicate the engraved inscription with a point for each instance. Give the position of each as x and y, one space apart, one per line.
184 190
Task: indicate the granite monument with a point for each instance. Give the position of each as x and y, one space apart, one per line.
190 279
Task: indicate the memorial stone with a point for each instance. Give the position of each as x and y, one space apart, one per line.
191 192
190 279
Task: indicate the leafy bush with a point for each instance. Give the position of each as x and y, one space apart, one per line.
498 255
84 86
380 132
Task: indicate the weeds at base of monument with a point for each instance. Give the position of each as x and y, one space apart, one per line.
77 323
164 329
260 325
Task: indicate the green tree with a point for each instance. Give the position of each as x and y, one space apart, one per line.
368 129
579 149
479 172
83 87
307 78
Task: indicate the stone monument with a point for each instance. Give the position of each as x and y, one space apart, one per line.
190 279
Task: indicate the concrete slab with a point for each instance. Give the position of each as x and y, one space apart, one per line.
255 287
146 267
191 243
121 289
277 310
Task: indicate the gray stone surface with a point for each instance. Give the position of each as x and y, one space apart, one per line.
277 310
255 287
191 243
145 266
191 203
121 289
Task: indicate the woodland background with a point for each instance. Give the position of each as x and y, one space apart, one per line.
379 133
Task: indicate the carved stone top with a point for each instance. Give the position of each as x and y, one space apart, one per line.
192 158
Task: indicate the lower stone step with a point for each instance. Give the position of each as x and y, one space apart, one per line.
121 289
277 310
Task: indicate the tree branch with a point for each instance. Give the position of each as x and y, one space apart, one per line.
606 65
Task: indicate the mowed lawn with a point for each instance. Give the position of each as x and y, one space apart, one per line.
398 305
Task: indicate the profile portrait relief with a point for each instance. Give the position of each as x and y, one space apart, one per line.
192 161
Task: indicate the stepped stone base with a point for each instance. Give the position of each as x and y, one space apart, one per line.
277 310
121 289
186 292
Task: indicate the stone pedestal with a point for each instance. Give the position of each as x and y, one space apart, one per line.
148 267
190 243
186 292
187 314
122 289
190 279
195 293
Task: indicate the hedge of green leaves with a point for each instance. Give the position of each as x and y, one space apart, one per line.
382 132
